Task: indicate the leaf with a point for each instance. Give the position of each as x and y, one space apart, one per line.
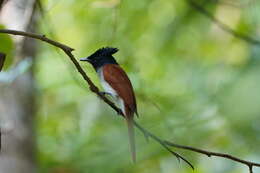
6 46
2 60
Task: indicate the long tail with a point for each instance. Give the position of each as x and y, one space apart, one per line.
131 134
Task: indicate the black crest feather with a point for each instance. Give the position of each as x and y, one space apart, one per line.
105 51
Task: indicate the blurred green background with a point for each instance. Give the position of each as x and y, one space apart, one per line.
196 85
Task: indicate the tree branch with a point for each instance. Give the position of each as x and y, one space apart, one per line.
164 143
39 37
223 26
210 153
67 50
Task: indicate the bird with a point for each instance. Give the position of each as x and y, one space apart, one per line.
116 83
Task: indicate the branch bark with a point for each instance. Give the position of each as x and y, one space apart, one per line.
164 143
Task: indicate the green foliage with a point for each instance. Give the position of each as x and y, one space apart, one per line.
7 47
195 83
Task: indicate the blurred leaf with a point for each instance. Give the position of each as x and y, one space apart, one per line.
2 60
6 46
10 75
197 74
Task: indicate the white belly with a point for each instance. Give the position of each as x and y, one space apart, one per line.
110 90
105 85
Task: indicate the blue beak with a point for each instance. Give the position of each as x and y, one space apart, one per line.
84 59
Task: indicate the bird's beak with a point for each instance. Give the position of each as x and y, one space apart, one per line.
85 59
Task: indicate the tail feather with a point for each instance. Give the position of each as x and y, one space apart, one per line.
131 134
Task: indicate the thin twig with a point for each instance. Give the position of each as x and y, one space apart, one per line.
166 144
162 142
68 50
39 37
92 86
222 25
210 153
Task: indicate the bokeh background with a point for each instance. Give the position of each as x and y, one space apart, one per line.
196 83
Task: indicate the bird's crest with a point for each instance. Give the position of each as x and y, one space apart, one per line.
105 51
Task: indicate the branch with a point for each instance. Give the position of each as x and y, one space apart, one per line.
67 50
39 37
210 153
222 25
164 143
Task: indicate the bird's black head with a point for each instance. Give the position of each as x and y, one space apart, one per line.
101 57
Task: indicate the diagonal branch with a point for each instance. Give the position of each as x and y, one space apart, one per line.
220 24
164 143
38 37
210 153
67 50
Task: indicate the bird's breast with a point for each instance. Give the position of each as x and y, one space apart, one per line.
105 85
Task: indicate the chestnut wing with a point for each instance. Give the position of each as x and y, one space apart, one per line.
116 77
